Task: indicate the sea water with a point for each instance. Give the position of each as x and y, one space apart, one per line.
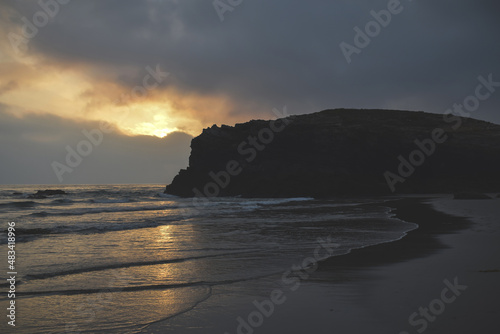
118 258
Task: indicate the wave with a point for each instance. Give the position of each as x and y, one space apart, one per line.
238 202
31 231
163 195
111 201
275 201
86 211
40 214
60 201
16 195
33 204
143 287
23 204
27 233
117 192
126 265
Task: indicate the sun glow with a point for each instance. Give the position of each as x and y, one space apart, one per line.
150 129
149 119
71 92
162 133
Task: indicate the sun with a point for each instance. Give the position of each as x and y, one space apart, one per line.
149 129
162 132
149 120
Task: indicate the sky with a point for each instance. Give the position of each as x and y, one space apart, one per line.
159 71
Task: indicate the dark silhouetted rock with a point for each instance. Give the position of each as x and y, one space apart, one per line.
45 193
343 152
470 195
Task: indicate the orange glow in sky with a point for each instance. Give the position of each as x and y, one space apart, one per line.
31 85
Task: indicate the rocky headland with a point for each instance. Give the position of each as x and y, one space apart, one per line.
343 152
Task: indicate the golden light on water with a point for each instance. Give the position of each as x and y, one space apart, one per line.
165 233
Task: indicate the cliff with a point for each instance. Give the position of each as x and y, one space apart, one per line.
343 152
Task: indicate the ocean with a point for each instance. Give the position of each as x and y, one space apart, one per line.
119 258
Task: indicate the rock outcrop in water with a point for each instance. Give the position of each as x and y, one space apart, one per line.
343 152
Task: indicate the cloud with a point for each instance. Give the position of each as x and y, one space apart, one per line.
29 146
11 85
270 53
266 54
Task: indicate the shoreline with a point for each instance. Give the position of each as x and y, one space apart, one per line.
397 287
376 289
421 242
341 275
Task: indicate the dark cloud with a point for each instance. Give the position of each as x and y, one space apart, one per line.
29 146
269 53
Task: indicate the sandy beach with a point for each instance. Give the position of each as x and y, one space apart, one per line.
440 278
447 250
